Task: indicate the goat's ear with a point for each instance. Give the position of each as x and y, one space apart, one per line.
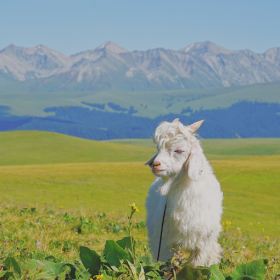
195 126
194 163
151 160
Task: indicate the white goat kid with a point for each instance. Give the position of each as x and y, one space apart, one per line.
185 181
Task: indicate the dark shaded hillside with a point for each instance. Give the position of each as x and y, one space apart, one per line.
243 119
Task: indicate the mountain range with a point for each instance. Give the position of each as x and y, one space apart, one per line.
111 67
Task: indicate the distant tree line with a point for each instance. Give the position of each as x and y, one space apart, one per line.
113 106
243 119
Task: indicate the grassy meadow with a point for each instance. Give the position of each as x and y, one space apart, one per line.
55 188
55 236
52 170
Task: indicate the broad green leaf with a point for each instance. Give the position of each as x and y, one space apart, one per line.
198 273
90 260
152 274
263 262
148 268
8 263
3 273
102 258
126 243
52 269
107 277
9 274
155 266
252 269
216 273
85 275
72 273
146 260
11 262
114 254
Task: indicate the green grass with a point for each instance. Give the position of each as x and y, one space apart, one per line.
58 233
148 104
36 147
88 186
42 234
53 170
250 186
251 193
58 174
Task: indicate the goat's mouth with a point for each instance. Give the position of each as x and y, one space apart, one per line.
158 170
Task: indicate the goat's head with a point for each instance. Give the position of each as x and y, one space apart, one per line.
178 149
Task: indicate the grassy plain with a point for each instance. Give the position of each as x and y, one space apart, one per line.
250 186
52 170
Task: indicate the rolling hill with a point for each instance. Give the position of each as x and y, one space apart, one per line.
37 147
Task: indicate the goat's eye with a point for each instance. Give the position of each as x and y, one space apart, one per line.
178 151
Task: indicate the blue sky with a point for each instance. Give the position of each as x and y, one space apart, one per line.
71 26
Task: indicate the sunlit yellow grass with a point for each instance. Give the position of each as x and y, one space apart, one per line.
250 186
87 186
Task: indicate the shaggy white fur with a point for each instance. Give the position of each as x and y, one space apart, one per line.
193 194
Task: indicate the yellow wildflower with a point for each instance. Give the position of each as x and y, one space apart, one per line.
263 229
17 254
250 224
113 212
239 231
226 224
61 207
266 237
98 277
133 207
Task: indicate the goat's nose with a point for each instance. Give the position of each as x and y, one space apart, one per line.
156 163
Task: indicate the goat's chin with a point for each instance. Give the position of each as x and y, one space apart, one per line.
161 174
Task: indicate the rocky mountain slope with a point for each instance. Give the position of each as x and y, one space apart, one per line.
111 67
